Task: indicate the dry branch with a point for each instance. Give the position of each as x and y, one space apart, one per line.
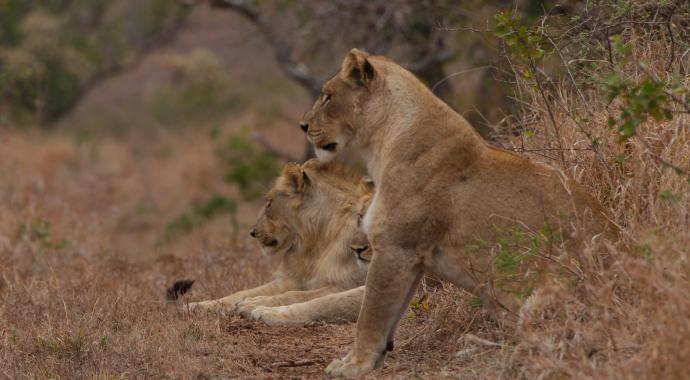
294 363
268 147
282 51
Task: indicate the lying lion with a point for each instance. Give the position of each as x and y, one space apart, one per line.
444 198
312 215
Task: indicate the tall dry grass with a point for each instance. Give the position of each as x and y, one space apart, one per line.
627 316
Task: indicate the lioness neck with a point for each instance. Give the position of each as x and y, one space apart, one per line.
405 119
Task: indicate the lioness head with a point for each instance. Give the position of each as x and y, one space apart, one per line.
332 122
309 203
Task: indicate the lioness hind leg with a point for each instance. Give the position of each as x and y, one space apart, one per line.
334 308
393 276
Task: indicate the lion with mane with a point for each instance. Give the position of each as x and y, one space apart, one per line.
312 216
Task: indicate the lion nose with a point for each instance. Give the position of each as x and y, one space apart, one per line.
304 126
252 233
360 249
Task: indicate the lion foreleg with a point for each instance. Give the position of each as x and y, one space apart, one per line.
334 308
246 306
229 304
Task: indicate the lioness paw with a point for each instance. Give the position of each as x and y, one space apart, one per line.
333 369
349 366
339 368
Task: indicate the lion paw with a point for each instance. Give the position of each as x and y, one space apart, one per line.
274 316
267 314
197 307
246 307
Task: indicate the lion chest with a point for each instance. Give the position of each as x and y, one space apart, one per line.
368 219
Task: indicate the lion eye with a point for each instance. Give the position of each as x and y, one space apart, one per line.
268 204
326 98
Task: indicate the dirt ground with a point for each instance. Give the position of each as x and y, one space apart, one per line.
84 262
84 268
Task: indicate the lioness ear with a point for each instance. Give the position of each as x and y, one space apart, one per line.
296 178
356 69
366 186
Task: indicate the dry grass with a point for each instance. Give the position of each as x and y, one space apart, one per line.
83 271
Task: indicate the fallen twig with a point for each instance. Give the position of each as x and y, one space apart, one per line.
481 341
294 363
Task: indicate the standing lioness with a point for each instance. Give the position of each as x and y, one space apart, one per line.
440 190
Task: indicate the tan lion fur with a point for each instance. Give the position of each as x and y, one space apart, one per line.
312 216
440 189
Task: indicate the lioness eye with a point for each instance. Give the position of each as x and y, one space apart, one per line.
268 204
326 98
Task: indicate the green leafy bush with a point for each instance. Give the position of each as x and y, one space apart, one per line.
252 170
52 51
640 101
199 214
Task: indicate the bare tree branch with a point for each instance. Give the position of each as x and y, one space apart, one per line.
433 58
296 70
268 147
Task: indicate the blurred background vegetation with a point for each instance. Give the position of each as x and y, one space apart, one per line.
53 51
242 72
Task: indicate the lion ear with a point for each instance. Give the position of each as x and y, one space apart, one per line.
295 177
356 69
366 186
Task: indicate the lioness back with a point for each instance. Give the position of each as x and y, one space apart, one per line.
508 189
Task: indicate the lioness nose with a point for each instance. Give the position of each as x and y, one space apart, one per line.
304 126
252 233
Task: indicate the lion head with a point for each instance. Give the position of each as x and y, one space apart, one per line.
312 202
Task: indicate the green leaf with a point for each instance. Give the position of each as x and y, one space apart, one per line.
596 141
611 122
670 196
475 302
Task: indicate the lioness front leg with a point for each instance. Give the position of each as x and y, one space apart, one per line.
392 279
334 308
246 306
228 304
